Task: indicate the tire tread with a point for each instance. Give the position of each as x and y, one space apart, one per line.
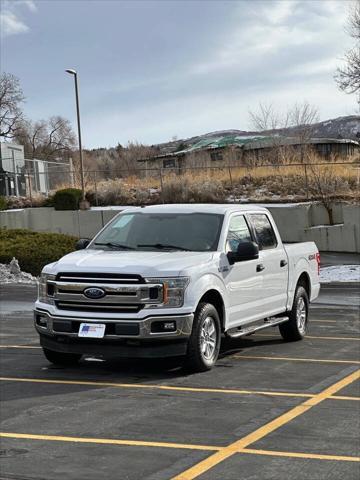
194 361
289 330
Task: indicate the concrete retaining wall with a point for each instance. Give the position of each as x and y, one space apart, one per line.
296 223
84 224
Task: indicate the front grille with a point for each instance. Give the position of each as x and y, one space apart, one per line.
122 293
85 277
99 307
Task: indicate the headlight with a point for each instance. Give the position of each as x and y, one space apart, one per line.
45 289
173 290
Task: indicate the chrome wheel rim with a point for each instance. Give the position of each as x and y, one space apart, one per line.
208 337
301 315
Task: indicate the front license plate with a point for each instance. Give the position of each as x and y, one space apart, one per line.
92 330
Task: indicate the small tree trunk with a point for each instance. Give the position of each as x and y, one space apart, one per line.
330 213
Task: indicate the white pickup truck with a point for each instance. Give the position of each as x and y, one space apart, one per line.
170 280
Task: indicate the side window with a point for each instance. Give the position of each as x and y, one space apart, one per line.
238 232
216 156
264 232
169 163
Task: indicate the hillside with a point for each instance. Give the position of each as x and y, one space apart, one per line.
341 127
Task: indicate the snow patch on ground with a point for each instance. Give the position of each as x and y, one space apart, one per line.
340 273
314 227
7 277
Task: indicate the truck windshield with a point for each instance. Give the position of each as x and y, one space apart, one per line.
161 231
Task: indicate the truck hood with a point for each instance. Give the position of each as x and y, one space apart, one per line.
147 264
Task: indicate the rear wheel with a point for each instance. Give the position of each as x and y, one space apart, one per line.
296 328
59 358
204 343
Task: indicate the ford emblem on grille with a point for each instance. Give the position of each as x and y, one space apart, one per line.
94 292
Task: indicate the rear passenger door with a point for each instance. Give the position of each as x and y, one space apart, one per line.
272 264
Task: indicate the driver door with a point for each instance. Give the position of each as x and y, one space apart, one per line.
243 282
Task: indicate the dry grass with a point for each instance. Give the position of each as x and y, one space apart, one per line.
281 183
184 189
36 200
268 183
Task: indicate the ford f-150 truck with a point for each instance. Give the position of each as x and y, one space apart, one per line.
171 280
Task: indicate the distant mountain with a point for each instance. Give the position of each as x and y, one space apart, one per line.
341 127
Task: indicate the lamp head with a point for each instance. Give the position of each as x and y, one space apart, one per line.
71 71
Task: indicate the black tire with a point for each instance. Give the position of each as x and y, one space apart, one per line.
198 359
295 329
59 358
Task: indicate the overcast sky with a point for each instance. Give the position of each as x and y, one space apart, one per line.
151 70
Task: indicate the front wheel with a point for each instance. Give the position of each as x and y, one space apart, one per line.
59 358
296 328
204 342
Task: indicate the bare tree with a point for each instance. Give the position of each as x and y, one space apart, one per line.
49 139
301 119
297 122
103 161
323 185
11 96
134 151
348 77
302 116
266 118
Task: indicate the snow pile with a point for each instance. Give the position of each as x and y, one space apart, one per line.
340 273
12 274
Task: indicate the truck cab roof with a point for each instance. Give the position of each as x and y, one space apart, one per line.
221 209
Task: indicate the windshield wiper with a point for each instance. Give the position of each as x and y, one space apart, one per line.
115 245
163 246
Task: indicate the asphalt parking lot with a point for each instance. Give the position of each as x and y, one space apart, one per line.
269 410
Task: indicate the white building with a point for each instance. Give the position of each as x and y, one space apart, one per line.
19 175
12 169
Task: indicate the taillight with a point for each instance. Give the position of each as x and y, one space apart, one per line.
317 256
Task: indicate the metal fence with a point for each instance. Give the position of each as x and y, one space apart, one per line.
28 177
54 176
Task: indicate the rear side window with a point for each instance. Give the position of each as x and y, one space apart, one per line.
238 233
264 232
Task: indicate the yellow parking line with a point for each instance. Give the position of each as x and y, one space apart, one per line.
108 441
265 430
158 387
342 397
297 359
227 391
19 346
300 455
315 337
184 446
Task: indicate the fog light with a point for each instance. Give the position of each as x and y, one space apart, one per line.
159 327
41 321
169 326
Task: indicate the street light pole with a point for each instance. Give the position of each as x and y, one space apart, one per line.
74 72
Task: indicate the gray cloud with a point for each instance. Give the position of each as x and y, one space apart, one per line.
10 16
152 69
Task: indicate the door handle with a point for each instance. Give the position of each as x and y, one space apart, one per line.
260 267
283 263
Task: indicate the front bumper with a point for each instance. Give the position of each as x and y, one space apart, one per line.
117 349
123 338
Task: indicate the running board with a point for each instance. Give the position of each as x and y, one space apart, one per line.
248 330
